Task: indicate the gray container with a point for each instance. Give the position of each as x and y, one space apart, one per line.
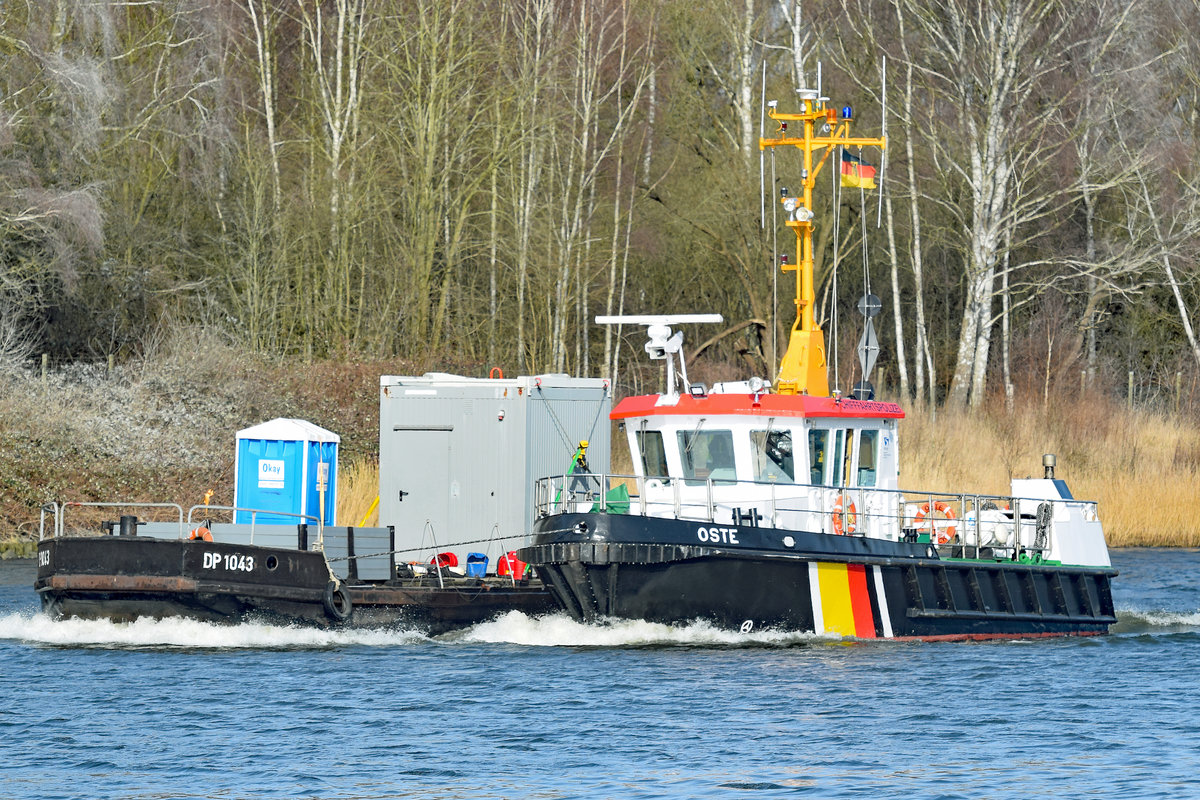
458 456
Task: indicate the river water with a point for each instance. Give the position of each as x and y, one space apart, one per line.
547 708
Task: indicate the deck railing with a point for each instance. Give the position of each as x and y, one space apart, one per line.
57 513
962 525
254 512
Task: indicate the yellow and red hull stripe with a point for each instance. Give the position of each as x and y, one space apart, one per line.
842 601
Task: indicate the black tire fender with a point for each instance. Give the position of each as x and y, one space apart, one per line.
338 605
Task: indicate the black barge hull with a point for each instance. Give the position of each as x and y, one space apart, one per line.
124 578
631 567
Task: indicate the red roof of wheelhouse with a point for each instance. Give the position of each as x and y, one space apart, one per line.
768 405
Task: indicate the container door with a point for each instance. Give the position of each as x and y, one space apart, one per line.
321 453
420 490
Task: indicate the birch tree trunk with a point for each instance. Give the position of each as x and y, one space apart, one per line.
601 39
1161 238
533 26
264 22
335 37
622 220
897 314
747 64
493 238
792 17
1006 324
983 62
923 359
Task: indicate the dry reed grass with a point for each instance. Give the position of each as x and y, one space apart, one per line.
1142 467
358 486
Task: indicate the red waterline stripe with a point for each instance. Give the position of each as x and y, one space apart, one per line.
979 637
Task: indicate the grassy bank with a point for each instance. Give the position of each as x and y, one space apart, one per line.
17 548
162 429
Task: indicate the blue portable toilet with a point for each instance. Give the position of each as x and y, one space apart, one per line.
277 468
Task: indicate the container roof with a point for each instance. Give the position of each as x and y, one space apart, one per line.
289 430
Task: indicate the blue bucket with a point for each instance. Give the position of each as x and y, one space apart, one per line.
476 565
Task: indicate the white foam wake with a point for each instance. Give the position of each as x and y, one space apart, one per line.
515 628
1136 620
552 630
186 633
559 630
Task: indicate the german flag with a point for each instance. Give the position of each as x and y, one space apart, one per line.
856 172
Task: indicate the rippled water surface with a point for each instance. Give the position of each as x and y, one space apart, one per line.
546 708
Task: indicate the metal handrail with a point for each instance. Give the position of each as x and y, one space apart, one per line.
254 512
52 506
965 515
60 512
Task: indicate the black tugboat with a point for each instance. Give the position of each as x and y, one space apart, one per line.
757 507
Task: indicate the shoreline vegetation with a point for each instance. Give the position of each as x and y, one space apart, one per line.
175 179
162 429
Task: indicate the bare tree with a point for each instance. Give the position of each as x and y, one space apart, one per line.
801 38
1170 234
264 21
872 25
601 36
982 64
436 122
335 34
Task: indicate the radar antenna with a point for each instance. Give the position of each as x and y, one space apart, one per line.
661 344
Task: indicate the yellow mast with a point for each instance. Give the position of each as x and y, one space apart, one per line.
802 369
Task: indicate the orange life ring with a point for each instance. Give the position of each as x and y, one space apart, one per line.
840 509
947 533
201 533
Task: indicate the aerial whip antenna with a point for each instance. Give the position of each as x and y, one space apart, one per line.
774 265
883 135
762 117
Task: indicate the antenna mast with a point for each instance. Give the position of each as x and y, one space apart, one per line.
802 368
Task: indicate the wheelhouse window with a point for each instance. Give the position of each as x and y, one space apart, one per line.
818 447
830 456
772 456
654 453
844 479
707 455
868 459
